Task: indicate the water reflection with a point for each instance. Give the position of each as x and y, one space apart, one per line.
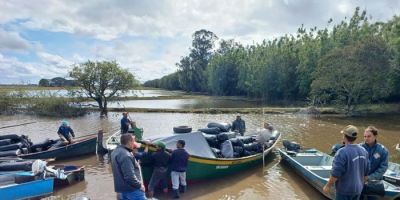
275 181
130 93
206 102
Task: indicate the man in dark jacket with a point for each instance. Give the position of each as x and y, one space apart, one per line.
64 132
239 125
125 122
349 168
160 160
126 170
179 161
378 157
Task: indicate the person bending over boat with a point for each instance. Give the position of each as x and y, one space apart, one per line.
138 132
160 160
239 125
264 135
179 162
378 157
349 168
128 181
125 122
65 132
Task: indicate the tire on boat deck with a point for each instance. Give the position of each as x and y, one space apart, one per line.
182 129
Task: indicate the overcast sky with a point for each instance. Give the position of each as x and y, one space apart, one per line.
45 38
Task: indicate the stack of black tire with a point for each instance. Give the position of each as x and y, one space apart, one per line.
14 145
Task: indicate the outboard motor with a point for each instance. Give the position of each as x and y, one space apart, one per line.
291 146
336 148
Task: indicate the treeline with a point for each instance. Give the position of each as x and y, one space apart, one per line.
349 63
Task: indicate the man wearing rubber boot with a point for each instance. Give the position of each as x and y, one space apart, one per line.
179 162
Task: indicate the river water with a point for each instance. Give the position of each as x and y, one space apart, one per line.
274 181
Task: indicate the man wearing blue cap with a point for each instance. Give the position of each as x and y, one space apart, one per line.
64 132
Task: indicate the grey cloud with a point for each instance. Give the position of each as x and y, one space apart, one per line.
12 41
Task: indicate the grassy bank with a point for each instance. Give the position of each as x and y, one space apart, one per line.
19 102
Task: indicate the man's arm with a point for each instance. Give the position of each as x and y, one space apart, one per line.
328 185
72 132
128 173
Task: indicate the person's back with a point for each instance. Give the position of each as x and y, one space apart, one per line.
160 158
350 166
179 160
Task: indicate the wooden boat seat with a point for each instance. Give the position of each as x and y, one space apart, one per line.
322 167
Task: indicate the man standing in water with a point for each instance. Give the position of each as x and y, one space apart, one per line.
349 168
125 122
377 155
179 161
239 125
126 170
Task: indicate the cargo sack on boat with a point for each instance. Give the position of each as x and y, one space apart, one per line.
246 139
16 166
217 152
227 149
222 137
224 127
212 140
246 153
236 142
10 136
42 146
255 147
10 153
5 142
291 146
11 147
238 149
212 130
58 143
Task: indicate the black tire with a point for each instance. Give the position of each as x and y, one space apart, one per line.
182 129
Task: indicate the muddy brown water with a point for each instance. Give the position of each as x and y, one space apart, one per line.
274 181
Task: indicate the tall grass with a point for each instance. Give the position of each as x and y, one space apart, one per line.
42 103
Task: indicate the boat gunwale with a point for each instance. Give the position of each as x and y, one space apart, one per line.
200 159
86 139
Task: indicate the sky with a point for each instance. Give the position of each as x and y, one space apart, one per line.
46 38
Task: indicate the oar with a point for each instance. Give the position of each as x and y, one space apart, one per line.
18 125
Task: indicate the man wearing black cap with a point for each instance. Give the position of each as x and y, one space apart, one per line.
349 168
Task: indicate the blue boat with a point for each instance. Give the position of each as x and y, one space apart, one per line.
82 146
22 185
315 167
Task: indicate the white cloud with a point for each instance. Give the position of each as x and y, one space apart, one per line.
55 60
12 41
150 36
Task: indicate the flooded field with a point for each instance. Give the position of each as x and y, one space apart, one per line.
274 181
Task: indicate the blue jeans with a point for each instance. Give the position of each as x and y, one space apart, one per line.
347 197
135 195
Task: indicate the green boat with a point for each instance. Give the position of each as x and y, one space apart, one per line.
203 164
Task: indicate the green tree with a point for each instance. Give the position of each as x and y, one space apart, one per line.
44 82
192 68
102 81
353 75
